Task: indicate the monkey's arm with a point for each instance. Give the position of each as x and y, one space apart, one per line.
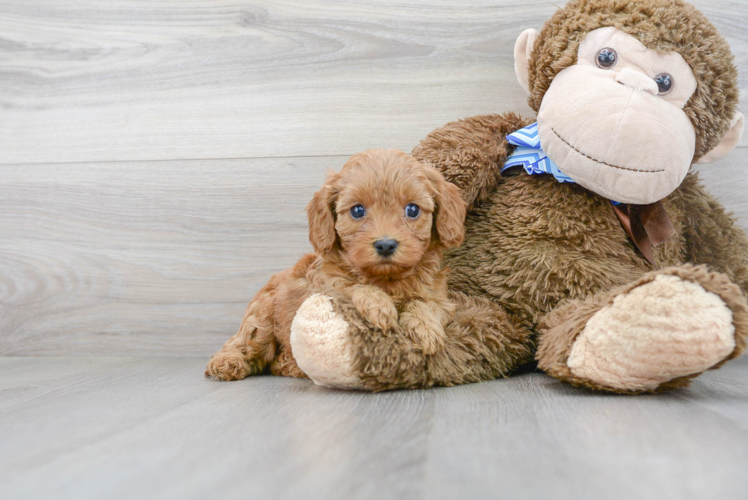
335 346
471 152
712 236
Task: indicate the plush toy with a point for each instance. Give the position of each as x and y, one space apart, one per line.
590 250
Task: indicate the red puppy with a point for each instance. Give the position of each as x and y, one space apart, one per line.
378 227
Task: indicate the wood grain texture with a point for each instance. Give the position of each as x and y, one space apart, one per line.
145 257
174 79
727 181
155 428
161 258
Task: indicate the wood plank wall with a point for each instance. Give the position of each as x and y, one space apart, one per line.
156 155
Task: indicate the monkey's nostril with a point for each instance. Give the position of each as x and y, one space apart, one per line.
385 247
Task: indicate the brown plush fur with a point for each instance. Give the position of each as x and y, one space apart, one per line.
406 288
482 342
533 244
663 25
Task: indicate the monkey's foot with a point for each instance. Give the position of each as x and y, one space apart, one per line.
322 345
654 335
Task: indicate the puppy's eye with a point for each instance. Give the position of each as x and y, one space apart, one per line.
358 211
412 211
606 58
664 83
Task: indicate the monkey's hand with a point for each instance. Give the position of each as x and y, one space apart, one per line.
374 305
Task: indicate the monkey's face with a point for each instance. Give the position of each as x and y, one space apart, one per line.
614 121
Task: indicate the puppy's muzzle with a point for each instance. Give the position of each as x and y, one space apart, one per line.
385 247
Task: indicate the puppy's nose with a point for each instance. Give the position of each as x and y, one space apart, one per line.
385 247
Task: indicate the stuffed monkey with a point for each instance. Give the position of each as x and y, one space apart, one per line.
590 250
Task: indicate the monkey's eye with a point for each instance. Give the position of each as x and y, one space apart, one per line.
606 58
664 83
412 211
358 211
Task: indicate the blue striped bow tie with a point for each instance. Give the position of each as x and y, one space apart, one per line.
530 155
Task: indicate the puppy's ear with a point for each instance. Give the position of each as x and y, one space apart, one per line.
321 217
450 209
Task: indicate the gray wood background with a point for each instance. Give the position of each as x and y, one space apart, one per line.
156 156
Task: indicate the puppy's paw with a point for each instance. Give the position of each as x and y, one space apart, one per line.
424 330
228 365
375 306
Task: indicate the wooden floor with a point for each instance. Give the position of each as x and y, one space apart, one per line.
155 160
155 428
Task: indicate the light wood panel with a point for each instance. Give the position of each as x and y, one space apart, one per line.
727 181
161 258
155 428
146 257
192 79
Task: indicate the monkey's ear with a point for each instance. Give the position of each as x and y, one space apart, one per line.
522 51
321 218
728 142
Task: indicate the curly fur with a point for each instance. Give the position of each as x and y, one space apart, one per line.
407 288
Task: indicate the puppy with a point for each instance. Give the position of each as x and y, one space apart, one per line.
378 228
